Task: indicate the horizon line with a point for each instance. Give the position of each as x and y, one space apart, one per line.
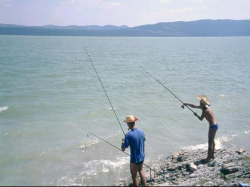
121 25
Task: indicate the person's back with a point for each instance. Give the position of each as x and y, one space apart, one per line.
135 139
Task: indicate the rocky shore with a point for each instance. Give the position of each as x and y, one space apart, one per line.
230 167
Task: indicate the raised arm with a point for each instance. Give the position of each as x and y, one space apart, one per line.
191 105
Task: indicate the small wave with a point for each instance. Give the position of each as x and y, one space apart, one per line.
111 108
95 141
136 104
222 95
3 108
92 169
195 147
108 164
84 145
218 143
247 132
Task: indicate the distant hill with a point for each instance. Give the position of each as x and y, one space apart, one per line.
199 28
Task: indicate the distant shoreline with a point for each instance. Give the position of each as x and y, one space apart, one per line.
199 28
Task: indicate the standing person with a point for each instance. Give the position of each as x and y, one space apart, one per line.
135 138
213 126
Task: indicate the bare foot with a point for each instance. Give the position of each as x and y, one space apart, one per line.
204 161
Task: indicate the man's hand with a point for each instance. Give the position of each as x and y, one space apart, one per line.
122 148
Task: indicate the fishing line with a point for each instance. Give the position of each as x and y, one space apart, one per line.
169 90
105 91
126 153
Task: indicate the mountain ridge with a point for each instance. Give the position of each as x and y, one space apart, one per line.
197 28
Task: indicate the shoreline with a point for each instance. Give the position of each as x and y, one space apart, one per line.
230 167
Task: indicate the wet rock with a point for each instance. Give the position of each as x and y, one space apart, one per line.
175 155
191 167
211 164
229 168
240 151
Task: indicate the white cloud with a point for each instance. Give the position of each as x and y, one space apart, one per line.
115 3
165 1
94 3
168 15
198 1
87 2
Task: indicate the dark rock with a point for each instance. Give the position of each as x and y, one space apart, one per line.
240 151
229 168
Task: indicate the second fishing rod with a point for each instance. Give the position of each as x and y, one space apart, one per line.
169 91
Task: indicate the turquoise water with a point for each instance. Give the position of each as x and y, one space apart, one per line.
50 92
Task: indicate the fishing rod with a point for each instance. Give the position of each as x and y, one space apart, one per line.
125 153
105 91
169 91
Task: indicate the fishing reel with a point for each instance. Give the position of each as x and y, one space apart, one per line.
182 106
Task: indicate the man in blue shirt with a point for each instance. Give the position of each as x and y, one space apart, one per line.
135 139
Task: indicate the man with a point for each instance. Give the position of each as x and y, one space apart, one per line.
213 126
135 139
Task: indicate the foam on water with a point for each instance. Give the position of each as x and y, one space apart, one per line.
94 169
3 108
95 141
219 142
247 132
88 144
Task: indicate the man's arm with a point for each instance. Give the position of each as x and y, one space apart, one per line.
200 117
122 148
191 105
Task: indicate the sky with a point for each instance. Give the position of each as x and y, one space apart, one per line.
118 12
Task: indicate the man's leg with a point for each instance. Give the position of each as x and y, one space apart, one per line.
211 144
142 175
133 171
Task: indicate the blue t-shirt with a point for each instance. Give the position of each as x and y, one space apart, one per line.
135 139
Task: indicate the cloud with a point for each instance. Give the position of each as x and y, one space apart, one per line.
85 3
165 1
198 1
168 15
94 3
115 3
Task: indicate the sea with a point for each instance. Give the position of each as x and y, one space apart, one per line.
56 92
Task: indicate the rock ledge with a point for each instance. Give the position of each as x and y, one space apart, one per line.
230 167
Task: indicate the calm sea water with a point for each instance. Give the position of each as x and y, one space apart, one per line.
49 92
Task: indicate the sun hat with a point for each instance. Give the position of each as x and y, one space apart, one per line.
204 99
130 118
